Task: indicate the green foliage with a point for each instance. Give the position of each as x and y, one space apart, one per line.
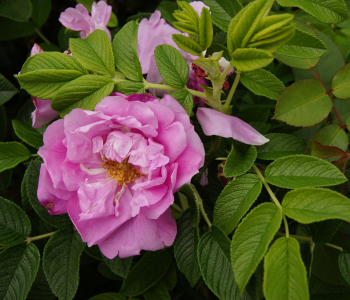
299 171
119 266
158 291
341 83
61 260
7 90
251 240
17 10
41 11
18 267
187 44
322 232
185 99
238 163
285 273
27 134
344 265
11 154
235 200
250 59
108 296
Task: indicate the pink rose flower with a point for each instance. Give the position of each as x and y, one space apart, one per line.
43 112
78 18
115 169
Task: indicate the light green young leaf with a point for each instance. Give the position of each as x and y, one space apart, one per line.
263 83
205 29
14 223
299 171
31 183
235 200
18 268
125 51
172 66
304 103
303 45
119 266
185 99
185 248
223 11
238 163
27 134
341 83
330 11
94 53
11 154
214 260
61 261
251 240
17 10
280 145
285 273
309 205
250 59
84 92
7 90
344 265
187 44
156 292
140 279
45 73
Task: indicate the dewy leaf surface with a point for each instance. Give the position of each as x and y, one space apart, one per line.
341 83
299 171
94 53
285 273
309 205
235 200
14 223
304 103
18 267
61 261
11 154
251 240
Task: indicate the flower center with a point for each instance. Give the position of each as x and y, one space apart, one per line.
122 172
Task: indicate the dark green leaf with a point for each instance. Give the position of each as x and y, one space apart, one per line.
119 266
10 29
238 163
17 10
108 296
341 83
344 265
156 292
11 154
41 11
27 134
7 90
322 232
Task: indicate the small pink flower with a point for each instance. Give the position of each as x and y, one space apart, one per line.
115 169
78 18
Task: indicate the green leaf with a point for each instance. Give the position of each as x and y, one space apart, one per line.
185 248
344 265
84 92
41 11
94 53
251 240
341 83
140 278
125 51
310 205
45 73
31 182
331 135
119 266
10 29
250 59
129 87
17 10
285 273
172 66
108 296
262 83
322 232
14 223
61 260
170 278
7 90
299 171
11 154
3 123
238 163
235 200
156 292
223 11
113 21
281 145
185 99
187 44
205 29
18 267
190 192
242 27
27 134
330 11
303 45
214 260
304 103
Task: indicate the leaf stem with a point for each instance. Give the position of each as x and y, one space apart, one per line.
39 237
201 207
335 247
232 92
43 37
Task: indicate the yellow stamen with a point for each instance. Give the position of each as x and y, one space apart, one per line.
122 172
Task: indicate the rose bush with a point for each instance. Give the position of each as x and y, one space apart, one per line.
115 169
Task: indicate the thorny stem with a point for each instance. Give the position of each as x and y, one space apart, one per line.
330 97
232 92
273 197
39 237
201 208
